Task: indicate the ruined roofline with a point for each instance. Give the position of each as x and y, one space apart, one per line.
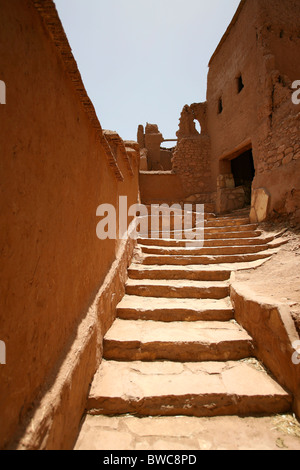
227 32
51 20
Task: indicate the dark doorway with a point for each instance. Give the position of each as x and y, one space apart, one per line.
240 84
243 172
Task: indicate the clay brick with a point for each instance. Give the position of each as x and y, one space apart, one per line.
297 156
281 149
288 159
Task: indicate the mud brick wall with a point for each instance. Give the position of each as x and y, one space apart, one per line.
279 162
56 168
191 161
264 36
282 150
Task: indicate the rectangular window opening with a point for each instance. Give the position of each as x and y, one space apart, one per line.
240 84
220 106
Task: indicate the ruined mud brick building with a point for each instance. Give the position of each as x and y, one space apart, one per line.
250 134
60 285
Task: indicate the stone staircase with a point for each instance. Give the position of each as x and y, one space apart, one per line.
175 347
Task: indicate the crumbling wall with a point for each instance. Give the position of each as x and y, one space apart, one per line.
191 161
166 156
153 156
192 156
278 149
278 141
152 140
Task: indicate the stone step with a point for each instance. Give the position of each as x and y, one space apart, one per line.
207 211
207 243
227 222
167 220
177 288
235 215
193 273
208 231
190 251
168 310
208 235
231 228
191 389
187 433
140 340
182 260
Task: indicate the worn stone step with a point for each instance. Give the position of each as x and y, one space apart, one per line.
227 222
207 242
191 389
163 309
190 251
193 273
170 220
231 228
233 216
140 340
177 288
183 260
208 235
207 230
208 214
184 433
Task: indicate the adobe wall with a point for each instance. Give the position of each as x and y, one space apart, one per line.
281 22
154 157
191 162
192 155
262 44
187 166
56 169
233 127
278 142
278 168
160 187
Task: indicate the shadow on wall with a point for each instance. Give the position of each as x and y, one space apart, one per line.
243 171
234 184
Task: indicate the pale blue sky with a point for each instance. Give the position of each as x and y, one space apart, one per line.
142 61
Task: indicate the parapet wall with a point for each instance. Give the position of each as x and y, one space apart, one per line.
274 333
158 186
